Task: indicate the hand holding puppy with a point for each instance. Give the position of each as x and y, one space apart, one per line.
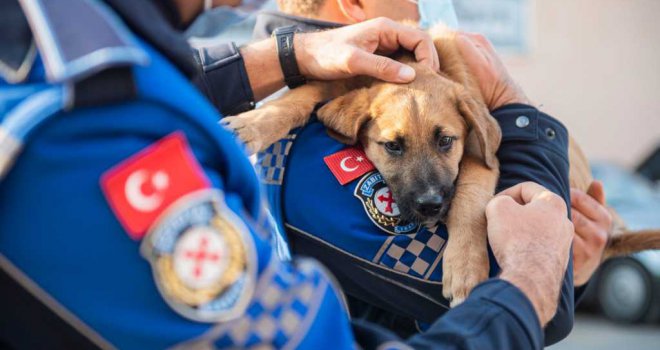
593 224
357 50
496 84
530 234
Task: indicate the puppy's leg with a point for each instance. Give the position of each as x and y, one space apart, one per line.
264 126
465 260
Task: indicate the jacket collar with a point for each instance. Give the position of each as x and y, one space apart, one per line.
17 49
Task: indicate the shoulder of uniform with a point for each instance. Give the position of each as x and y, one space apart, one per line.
101 40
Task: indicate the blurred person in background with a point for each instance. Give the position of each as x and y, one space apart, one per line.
226 21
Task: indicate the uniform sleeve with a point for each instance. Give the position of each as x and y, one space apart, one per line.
223 78
496 315
535 148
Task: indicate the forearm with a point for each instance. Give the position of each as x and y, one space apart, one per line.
537 151
496 315
263 68
234 79
534 148
223 78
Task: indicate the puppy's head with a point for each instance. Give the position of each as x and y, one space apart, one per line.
416 135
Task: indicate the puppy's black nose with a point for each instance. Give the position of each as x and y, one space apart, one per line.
429 204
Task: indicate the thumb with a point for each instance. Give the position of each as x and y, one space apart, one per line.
381 67
499 206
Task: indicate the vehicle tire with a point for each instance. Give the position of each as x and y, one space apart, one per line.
625 291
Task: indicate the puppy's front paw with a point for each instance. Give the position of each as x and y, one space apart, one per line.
463 267
258 128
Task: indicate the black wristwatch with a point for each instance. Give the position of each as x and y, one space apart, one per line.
287 54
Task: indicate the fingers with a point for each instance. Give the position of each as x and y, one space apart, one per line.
500 205
394 35
597 192
589 206
589 231
380 67
525 192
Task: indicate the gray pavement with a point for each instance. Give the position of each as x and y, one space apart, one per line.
595 332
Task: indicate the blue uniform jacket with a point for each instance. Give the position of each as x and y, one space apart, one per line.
76 208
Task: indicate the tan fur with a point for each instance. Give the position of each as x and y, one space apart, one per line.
372 112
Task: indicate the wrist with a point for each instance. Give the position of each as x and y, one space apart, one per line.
301 42
285 38
510 94
259 59
541 294
519 99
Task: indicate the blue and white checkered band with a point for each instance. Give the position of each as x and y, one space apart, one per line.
285 305
203 258
379 204
416 254
271 163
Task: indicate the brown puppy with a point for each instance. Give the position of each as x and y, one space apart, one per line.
434 142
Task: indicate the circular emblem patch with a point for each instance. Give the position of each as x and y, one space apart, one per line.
203 258
380 206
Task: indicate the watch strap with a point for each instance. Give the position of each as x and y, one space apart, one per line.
287 56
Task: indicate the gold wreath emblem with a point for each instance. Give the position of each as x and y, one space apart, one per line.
175 288
380 218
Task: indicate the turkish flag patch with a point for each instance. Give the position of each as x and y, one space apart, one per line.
348 164
140 188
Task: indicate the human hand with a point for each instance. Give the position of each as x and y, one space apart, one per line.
593 224
530 234
496 85
357 50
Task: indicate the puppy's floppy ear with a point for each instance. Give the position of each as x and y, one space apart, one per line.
483 126
346 115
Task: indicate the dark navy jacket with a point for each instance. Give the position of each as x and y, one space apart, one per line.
393 275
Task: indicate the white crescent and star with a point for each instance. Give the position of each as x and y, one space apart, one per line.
347 169
137 198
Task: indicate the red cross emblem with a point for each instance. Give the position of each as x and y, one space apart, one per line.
387 198
200 256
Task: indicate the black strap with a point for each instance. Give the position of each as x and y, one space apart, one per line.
109 86
26 322
287 56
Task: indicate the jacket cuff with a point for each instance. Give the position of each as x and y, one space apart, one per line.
510 299
224 79
521 122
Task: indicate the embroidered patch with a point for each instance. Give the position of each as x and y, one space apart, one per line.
140 188
416 254
203 258
348 164
379 204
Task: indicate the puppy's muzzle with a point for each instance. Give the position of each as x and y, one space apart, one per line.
429 205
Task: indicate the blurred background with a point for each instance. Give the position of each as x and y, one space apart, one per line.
595 65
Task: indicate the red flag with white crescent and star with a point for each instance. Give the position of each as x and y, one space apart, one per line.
141 187
348 164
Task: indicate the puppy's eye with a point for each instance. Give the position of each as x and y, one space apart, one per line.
445 143
393 147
